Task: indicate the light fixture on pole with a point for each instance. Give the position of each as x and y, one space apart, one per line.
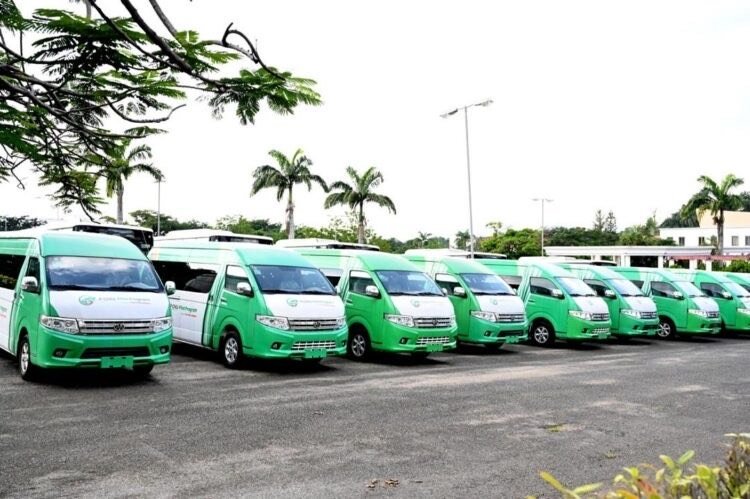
543 200
468 163
158 206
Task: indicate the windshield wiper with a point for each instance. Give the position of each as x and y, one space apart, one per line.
281 292
488 293
315 292
132 288
74 287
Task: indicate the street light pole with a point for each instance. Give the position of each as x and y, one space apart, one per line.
468 164
543 200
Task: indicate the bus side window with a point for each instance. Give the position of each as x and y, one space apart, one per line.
358 281
10 269
513 281
446 282
662 289
597 286
187 277
235 275
541 286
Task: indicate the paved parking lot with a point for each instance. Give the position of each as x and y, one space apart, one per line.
471 423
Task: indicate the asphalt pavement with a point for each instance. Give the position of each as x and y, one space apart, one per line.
473 423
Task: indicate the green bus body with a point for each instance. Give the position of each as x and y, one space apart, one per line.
732 298
222 301
484 319
558 304
740 278
631 312
106 321
403 323
683 309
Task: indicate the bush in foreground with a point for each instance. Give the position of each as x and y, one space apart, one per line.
676 479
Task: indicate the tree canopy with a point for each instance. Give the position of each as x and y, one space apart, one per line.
73 87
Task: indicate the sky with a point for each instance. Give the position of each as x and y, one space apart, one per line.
597 105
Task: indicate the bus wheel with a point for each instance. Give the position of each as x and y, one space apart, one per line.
359 344
542 334
231 350
666 329
143 371
26 369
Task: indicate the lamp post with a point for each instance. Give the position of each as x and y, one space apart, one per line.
158 206
468 163
543 200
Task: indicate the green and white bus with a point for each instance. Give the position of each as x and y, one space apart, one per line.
250 300
733 300
391 305
559 305
682 307
631 311
70 299
488 312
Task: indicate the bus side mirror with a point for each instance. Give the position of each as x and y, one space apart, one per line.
556 293
677 295
444 291
372 291
244 289
338 289
608 293
170 287
30 285
726 295
459 291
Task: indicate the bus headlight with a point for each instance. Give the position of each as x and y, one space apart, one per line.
340 322
159 325
635 314
699 313
580 314
486 316
273 321
60 324
401 320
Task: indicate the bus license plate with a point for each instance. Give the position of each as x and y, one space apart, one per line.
511 339
434 348
117 362
315 354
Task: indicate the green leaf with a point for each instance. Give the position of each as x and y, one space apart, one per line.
587 489
685 457
553 482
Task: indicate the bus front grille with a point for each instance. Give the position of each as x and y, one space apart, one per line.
433 340
115 327
432 322
300 346
313 324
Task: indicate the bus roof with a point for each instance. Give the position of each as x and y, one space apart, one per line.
69 225
602 272
62 243
220 252
324 244
464 266
206 233
371 260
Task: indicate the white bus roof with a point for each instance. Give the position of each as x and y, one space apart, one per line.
62 226
207 233
455 253
324 243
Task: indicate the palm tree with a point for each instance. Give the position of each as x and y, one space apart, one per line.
357 194
715 198
121 162
290 172
423 238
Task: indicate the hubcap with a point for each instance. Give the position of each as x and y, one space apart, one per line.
24 357
359 345
231 350
665 330
541 334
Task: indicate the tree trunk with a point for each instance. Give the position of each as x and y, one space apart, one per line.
720 233
290 216
361 225
120 192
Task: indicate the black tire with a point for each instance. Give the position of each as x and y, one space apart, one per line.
143 371
667 329
358 345
542 334
231 350
27 370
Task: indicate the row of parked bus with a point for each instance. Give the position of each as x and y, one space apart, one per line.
72 299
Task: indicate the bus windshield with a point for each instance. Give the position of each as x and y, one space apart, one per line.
688 288
280 279
736 289
575 287
486 284
101 274
407 282
625 287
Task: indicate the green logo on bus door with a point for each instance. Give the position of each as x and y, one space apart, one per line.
292 302
86 300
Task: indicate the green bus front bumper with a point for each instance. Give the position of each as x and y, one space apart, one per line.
495 333
701 325
402 339
55 349
630 326
272 343
584 330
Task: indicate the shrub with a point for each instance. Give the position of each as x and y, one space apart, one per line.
675 479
